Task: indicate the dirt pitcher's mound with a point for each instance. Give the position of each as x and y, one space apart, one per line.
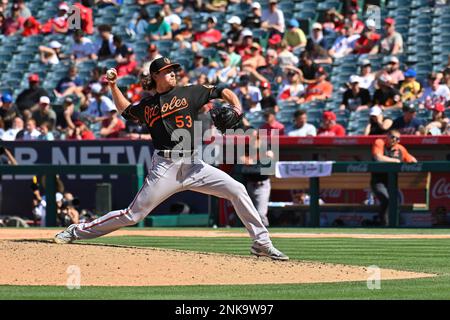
44 263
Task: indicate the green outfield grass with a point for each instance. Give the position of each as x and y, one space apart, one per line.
422 255
349 230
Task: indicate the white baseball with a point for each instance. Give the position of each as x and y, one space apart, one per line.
111 74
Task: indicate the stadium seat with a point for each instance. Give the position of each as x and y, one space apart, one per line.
105 20
399 12
328 4
87 65
124 82
209 53
419 3
108 63
305 6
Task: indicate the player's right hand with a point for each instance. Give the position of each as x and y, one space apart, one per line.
111 75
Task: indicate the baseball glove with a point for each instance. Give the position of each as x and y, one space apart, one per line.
225 117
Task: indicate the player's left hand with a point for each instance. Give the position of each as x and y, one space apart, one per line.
225 117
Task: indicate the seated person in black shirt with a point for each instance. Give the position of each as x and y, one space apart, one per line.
106 48
355 98
27 101
67 119
236 28
121 50
253 20
386 96
309 68
378 124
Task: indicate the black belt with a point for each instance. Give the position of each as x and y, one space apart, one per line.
170 153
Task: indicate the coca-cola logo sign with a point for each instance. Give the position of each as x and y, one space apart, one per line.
305 141
415 167
430 140
330 193
345 141
441 189
358 168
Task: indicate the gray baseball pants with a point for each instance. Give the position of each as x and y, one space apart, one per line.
259 192
168 177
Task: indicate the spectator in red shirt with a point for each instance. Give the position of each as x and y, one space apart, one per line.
59 24
272 123
211 35
244 47
87 17
128 64
81 132
356 24
368 39
112 126
31 27
15 22
329 126
333 21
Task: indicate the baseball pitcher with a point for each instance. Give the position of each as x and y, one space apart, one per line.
173 108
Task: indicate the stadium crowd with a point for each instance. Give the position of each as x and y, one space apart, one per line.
281 67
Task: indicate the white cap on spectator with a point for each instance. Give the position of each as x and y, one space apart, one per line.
59 196
213 19
55 44
247 33
354 79
375 111
394 59
96 88
256 5
44 99
365 62
316 25
370 23
234 20
64 6
272 52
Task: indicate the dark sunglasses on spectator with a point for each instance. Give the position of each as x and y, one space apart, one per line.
392 137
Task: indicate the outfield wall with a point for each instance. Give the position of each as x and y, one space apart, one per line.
131 152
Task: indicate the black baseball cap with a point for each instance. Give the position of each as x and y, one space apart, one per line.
161 64
409 107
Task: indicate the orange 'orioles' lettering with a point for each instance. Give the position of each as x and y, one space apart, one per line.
153 113
175 103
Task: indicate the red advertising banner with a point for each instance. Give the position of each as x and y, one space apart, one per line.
440 191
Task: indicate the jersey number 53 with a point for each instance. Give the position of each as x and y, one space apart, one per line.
183 121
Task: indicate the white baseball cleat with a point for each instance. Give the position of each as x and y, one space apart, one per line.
66 236
271 252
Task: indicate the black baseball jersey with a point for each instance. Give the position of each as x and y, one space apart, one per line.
175 109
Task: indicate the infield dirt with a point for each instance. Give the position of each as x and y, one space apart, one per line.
41 262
